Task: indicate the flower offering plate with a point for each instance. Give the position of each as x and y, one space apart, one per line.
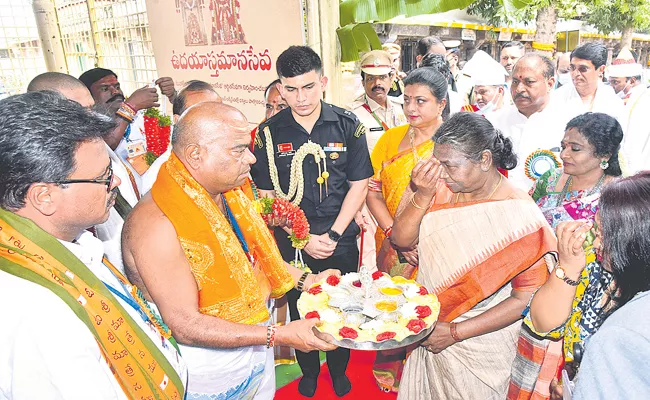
366 311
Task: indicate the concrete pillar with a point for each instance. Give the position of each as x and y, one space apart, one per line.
322 21
50 36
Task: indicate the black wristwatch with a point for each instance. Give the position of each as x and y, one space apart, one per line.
334 236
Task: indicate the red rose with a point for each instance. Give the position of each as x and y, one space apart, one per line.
376 275
385 336
423 311
333 280
356 283
348 333
312 314
423 291
416 325
317 289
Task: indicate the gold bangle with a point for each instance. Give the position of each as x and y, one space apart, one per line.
416 205
301 282
454 332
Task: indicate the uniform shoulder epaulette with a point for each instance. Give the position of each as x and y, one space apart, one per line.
346 113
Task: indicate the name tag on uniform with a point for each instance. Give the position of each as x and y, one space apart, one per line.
376 129
335 147
285 147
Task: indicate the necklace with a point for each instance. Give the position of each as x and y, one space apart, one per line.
296 180
491 194
416 156
569 183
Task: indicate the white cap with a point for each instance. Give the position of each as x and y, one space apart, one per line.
624 65
485 70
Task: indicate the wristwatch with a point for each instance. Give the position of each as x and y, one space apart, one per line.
334 236
561 273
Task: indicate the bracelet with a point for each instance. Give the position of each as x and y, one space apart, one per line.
388 231
301 281
129 106
414 204
270 335
454 332
126 112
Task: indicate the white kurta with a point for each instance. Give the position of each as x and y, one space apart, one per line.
568 101
636 141
47 352
536 141
110 232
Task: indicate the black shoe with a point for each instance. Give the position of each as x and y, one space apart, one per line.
307 386
341 385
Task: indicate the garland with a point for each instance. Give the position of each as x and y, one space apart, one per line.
274 208
157 130
296 190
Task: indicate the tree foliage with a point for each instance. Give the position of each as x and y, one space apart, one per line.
615 15
508 12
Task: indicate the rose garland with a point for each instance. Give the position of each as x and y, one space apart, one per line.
295 190
157 130
275 208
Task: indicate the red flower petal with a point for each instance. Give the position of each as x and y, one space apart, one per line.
423 291
316 289
423 311
376 275
356 283
385 336
416 325
312 314
333 280
348 333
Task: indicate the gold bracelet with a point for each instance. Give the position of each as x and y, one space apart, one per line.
414 204
454 332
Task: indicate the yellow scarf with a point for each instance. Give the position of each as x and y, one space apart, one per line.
230 286
140 368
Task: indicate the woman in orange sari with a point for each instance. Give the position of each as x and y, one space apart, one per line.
483 247
393 158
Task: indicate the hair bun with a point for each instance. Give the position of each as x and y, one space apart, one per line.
505 158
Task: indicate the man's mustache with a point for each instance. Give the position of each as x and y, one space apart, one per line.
113 197
376 88
521 95
116 97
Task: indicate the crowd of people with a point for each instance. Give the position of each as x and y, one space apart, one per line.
514 190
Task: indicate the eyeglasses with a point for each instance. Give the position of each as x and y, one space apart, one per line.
581 68
108 181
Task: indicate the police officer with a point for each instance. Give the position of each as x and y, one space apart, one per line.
330 204
375 108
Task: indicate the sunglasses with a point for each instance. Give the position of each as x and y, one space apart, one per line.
108 181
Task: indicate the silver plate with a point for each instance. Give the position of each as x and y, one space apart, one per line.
385 345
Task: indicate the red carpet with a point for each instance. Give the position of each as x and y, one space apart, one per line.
360 373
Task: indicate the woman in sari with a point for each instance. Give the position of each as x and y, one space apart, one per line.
393 158
590 157
483 247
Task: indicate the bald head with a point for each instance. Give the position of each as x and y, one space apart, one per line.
69 86
205 122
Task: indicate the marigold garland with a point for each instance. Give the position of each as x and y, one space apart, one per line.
276 208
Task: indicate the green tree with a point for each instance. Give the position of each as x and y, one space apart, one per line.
625 16
545 13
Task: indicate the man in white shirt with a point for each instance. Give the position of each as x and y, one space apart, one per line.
533 124
588 92
625 78
378 112
128 192
72 327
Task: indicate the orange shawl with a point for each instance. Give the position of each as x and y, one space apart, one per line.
468 251
229 286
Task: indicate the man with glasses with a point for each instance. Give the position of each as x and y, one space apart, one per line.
128 191
378 112
73 327
588 92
